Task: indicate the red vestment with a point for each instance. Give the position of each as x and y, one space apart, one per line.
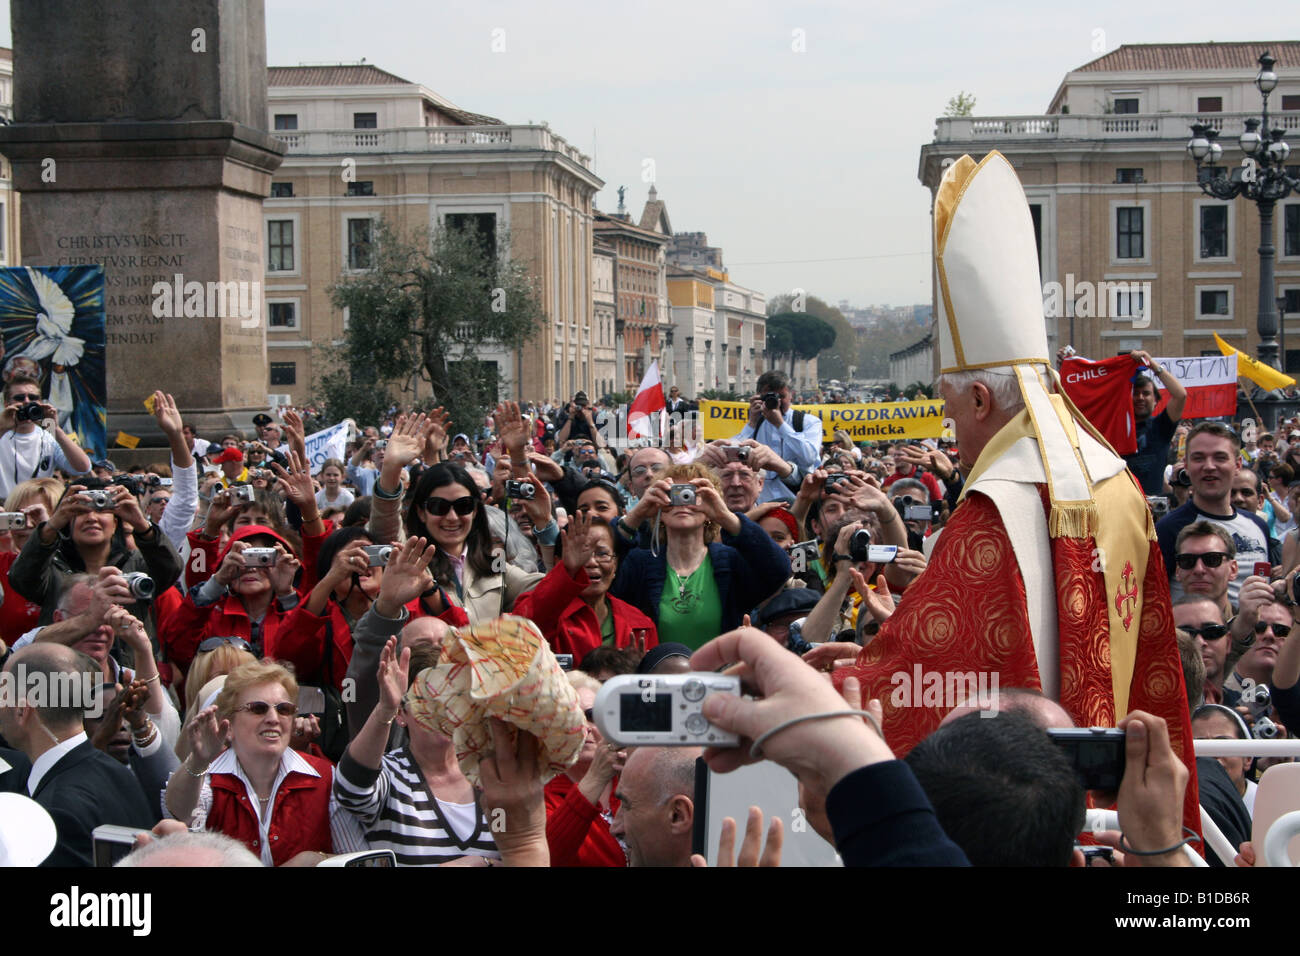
967 612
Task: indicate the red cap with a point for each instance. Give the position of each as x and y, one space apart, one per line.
787 519
230 454
249 531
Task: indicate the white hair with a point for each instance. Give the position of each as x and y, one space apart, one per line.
178 846
1002 382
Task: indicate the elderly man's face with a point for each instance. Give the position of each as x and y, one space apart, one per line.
740 485
644 467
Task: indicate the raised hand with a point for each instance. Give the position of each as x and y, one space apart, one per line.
283 571
133 705
394 677
579 543
511 428
436 428
207 736
406 442
512 783
296 482
406 576
127 508
749 849
879 603
167 414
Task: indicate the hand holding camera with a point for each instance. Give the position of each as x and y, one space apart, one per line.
127 508
283 571
406 576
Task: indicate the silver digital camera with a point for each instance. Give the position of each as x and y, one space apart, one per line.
259 557
377 555
736 452
662 710
681 495
142 586
520 490
99 499
12 521
242 494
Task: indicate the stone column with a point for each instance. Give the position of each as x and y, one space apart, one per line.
139 142
620 357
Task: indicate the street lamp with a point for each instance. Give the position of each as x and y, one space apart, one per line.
1262 179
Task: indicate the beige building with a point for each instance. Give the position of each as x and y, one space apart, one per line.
363 144
9 234
603 355
1132 253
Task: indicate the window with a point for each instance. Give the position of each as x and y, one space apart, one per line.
1214 232
1127 104
281 190
1129 174
1290 102
284 373
280 245
286 121
1214 302
1130 305
359 249
1291 230
1292 304
365 120
363 188
1209 104
1129 232
283 315
482 224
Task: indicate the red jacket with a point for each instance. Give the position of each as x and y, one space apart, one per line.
300 819
576 830
187 626
17 615
557 608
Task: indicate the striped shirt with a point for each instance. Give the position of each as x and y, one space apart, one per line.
398 812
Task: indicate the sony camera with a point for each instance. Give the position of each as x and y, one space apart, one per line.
1159 505
377 555
242 494
260 557
679 495
142 586
520 490
30 412
736 452
912 509
99 499
771 400
12 520
662 710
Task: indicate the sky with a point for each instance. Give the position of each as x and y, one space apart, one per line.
789 132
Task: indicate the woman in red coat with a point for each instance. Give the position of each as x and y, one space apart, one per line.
571 605
580 802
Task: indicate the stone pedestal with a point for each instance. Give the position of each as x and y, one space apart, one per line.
137 143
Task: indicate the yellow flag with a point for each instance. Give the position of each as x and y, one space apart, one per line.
1265 376
126 441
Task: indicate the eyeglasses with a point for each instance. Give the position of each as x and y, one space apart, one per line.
212 643
259 708
440 506
640 470
1211 632
603 556
24 398
1211 559
1280 631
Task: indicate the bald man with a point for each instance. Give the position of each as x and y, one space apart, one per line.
656 813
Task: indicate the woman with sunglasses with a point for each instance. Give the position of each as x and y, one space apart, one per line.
693 585
242 779
572 606
448 509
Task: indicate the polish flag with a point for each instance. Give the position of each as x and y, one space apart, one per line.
649 399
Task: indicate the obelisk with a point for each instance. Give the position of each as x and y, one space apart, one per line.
139 142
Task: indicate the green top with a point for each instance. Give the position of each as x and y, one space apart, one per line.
607 635
690 612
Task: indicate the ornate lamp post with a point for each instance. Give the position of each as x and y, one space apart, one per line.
1262 179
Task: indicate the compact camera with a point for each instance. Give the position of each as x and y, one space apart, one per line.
142 586
242 494
30 412
736 452
1159 505
771 400
259 557
381 444
520 490
911 509
832 481
12 520
99 499
681 495
110 843
1264 729
377 555
662 710
807 552
1096 753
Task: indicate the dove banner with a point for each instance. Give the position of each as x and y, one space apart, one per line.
52 329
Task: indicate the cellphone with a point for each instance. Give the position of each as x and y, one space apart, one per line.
565 661
1097 754
662 710
110 842
1262 568
311 700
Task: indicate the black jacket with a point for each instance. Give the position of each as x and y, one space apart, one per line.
14 779
83 790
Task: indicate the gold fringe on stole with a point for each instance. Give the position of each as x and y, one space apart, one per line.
1073 520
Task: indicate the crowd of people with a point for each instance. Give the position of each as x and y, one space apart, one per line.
262 630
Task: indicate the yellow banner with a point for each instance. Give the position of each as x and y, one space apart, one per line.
873 421
1265 376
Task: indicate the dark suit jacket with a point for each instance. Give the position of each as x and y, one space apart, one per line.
14 780
84 789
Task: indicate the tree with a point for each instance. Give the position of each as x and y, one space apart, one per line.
963 104
835 360
424 311
799 335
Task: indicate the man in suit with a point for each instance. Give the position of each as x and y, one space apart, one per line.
14 768
79 786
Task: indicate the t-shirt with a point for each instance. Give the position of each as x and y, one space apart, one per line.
1248 531
690 612
33 455
344 499
1148 462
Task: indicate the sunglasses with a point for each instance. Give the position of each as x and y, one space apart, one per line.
24 398
640 470
159 501
1212 559
212 643
1280 631
1211 632
440 506
259 708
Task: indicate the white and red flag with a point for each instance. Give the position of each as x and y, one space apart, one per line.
1211 383
641 417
